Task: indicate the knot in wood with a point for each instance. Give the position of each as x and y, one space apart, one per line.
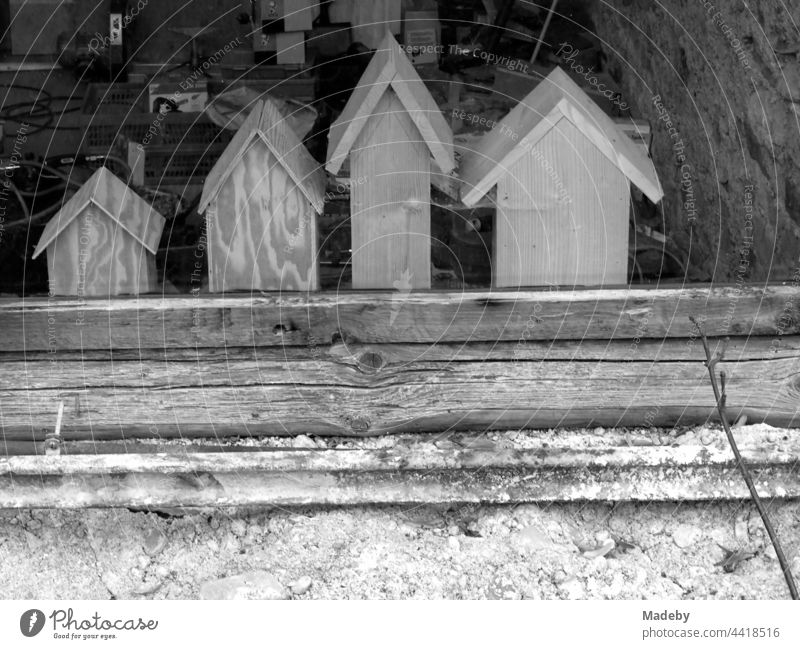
371 361
359 424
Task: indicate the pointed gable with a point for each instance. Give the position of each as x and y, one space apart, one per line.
557 97
266 122
117 201
390 68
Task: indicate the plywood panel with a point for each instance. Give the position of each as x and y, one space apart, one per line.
263 229
120 204
532 119
562 216
390 199
94 256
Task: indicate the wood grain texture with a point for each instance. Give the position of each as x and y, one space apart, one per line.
266 123
103 241
555 97
118 202
262 231
388 69
315 320
327 395
562 215
93 256
390 202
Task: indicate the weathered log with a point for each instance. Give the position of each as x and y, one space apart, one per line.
167 322
737 348
364 390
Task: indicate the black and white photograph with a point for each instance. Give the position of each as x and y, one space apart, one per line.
491 305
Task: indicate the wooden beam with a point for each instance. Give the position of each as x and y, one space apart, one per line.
738 348
578 470
375 389
268 320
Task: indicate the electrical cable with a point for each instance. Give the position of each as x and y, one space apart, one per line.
39 113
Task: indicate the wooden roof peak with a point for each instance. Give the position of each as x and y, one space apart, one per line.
556 97
113 197
267 123
391 69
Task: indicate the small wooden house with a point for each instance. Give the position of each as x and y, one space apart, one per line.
396 137
103 241
261 201
563 170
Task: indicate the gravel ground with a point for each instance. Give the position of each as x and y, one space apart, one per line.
664 551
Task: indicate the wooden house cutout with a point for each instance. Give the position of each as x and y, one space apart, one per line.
103 241
261 201
396 137
563 170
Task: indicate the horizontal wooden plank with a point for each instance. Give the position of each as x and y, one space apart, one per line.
409 473
341 396
379 354
321 319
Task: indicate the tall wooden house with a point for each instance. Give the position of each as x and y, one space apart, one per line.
261 201
396 138
563 170
103 241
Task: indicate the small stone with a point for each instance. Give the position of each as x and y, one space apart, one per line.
656 527
34 525
706 438
301 586
148 588
238 527
601 550
162 572
303 441
33 541
572 589
531 538
214 523
136 574
530 592
613 590
143 561
453 530
560 576
740 529
154 542
114 583
248 586
685 535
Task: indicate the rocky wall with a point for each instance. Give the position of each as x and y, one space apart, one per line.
720 83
